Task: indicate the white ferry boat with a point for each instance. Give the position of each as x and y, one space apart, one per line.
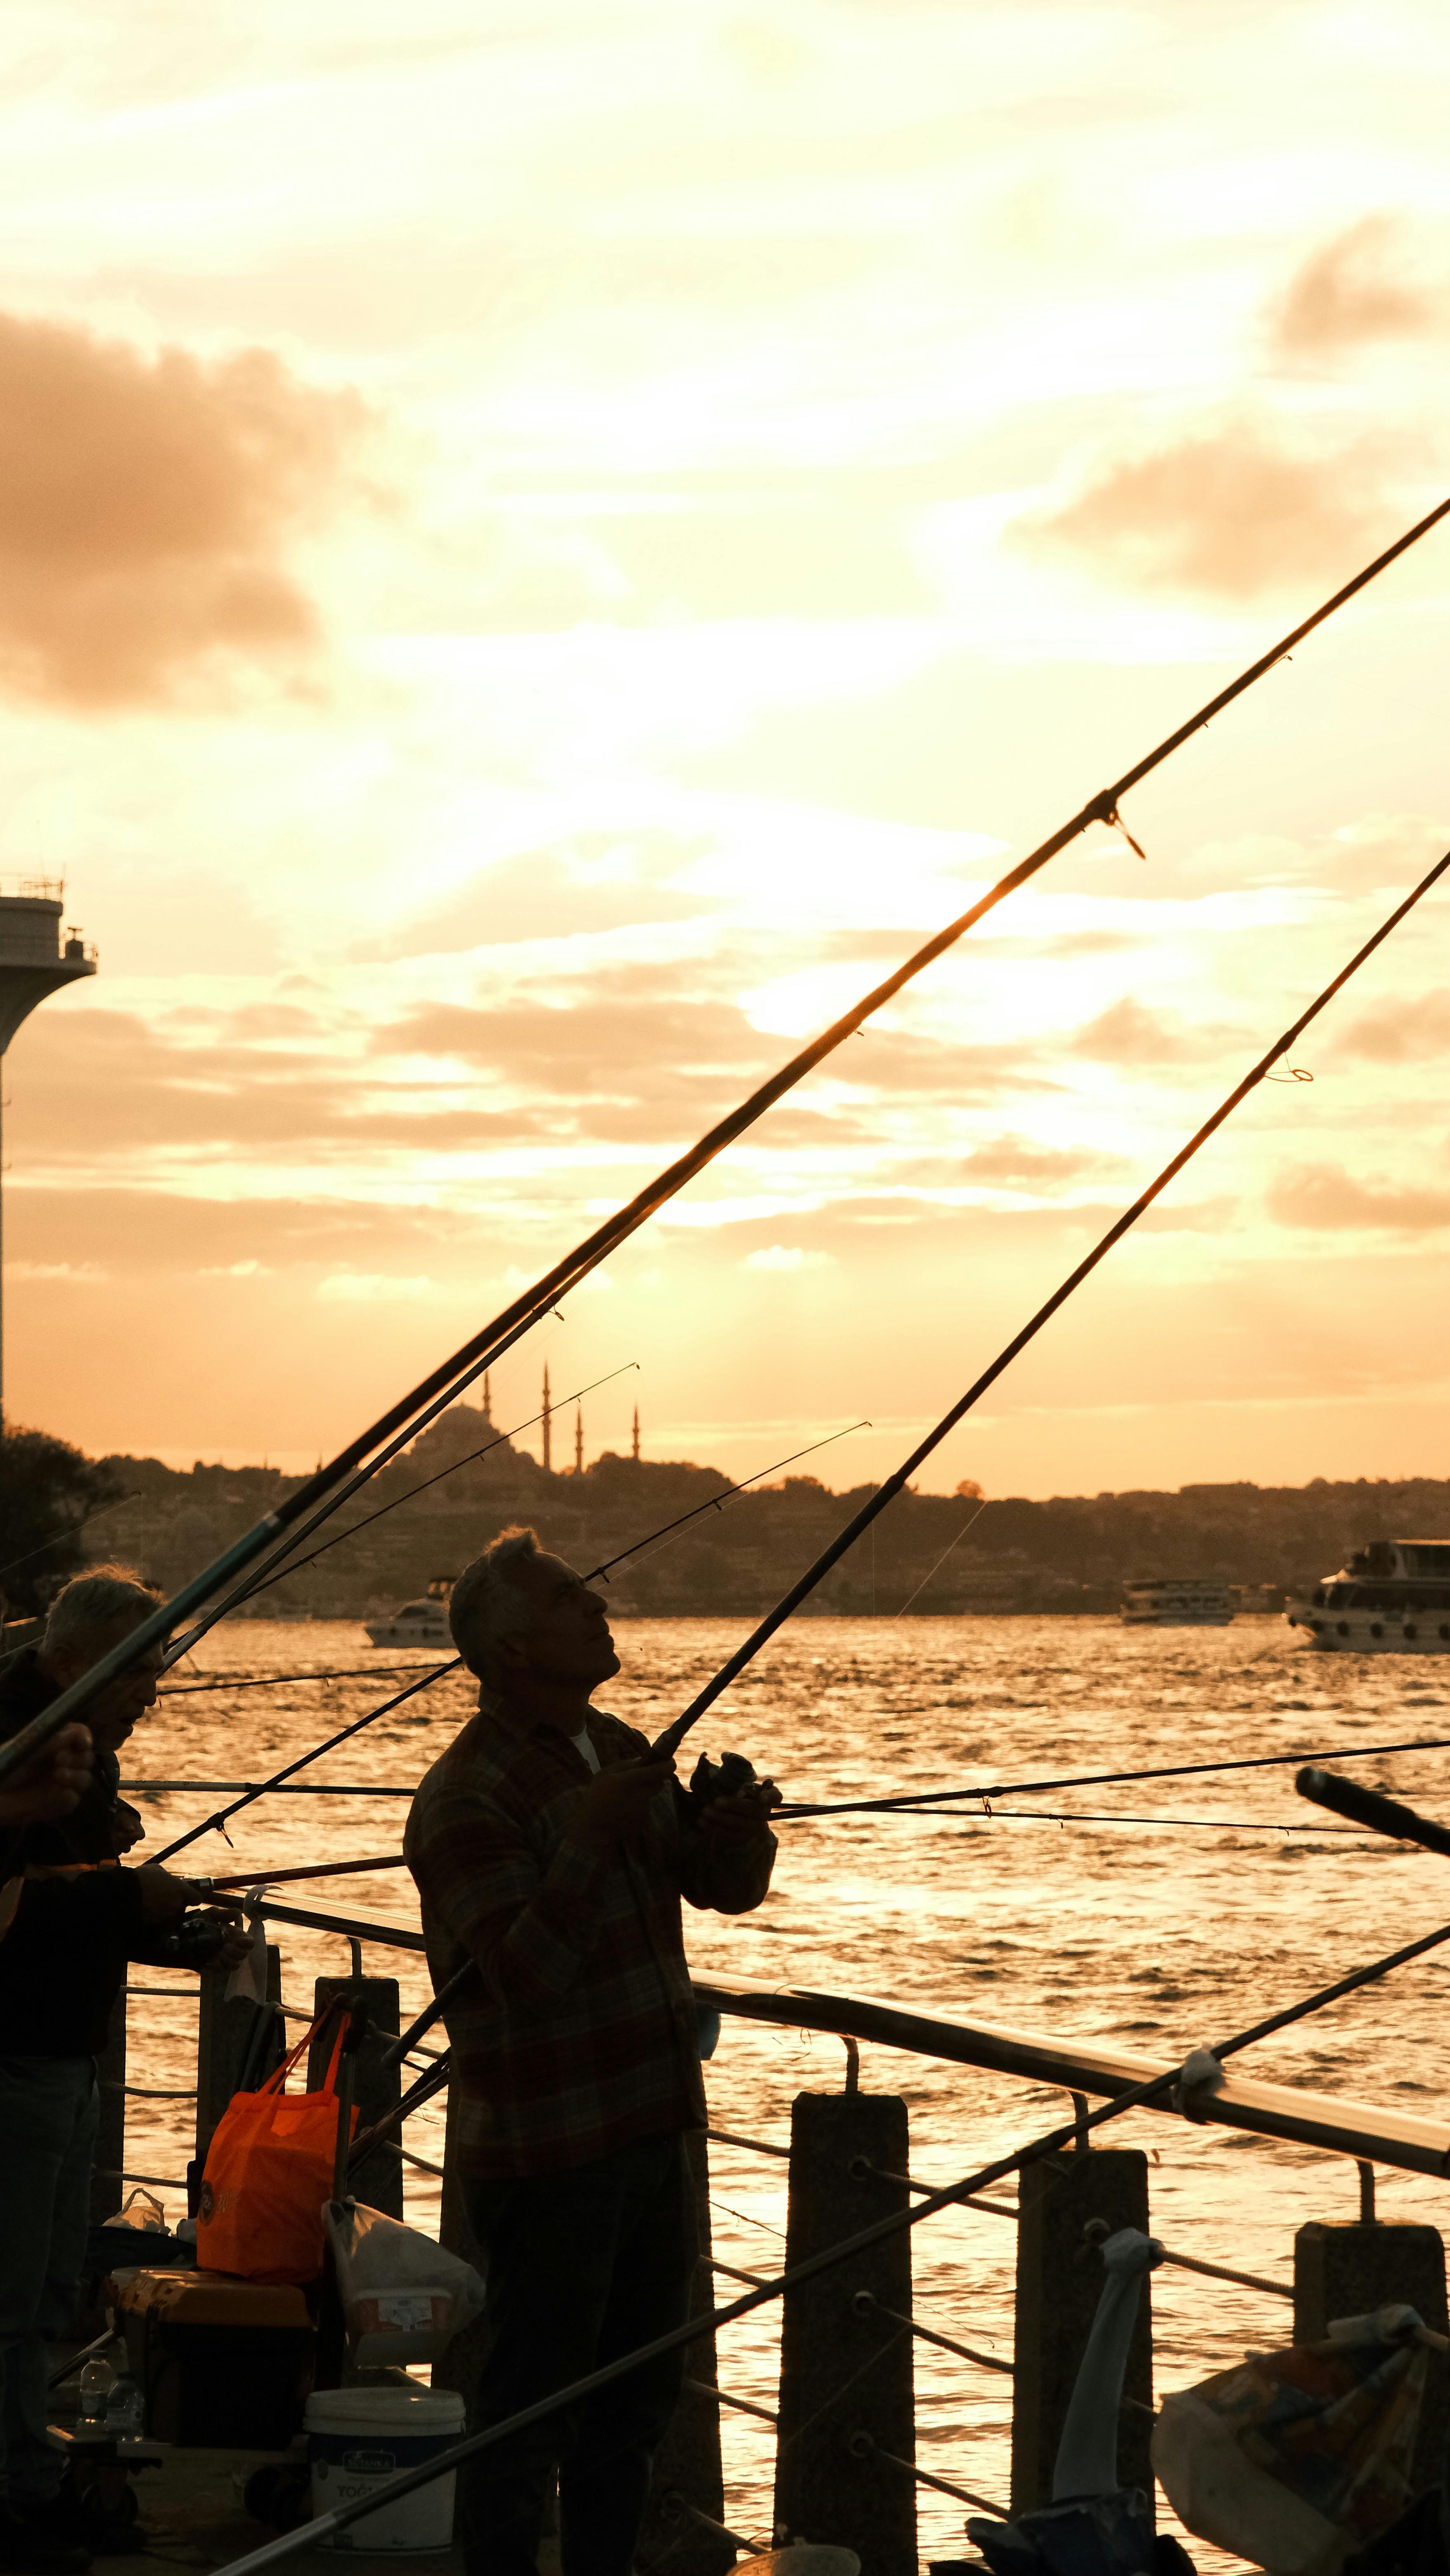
417 1623
1177 1601
1393 1598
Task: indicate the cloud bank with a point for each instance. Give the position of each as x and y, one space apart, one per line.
144 504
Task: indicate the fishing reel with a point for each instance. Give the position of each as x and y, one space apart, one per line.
723 1779
193 1940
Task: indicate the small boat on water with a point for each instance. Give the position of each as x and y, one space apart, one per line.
417 1623
1177 1601
1393 1598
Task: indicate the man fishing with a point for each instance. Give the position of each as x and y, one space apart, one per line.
70 1918
553 1851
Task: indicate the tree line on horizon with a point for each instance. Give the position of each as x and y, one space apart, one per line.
59 1509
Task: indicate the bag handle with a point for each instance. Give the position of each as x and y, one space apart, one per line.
277 2080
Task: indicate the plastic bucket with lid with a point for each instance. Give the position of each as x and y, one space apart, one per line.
358 2438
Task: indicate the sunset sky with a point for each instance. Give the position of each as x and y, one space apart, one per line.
543 549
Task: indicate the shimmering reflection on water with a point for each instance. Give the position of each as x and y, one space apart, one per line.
1154 1934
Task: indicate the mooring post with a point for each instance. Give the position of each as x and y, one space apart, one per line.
229 2045
378 2180
1059 2278
846 2370
1350 2270
687 2466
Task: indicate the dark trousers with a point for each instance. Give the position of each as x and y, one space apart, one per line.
583 2267
48 2111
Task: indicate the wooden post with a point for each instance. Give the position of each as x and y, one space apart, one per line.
376 2088
1059 2277
846 2371
688 2462
225 2032
1349 2272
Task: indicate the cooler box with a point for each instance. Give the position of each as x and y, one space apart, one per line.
223 2364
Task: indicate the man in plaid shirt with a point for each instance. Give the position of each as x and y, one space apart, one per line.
552 1851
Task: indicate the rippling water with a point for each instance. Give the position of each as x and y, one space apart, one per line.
1157 1915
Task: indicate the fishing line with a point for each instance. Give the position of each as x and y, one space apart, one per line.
941 1560
715 1503
1134 2097
801 1590
1101 1779
446 1381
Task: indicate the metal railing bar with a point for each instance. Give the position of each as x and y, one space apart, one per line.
865 2447
866 2303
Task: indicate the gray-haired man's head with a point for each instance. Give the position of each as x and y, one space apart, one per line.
92 1613
521 1616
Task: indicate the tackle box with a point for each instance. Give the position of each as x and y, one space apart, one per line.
222 2363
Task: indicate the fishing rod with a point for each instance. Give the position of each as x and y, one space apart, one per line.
801 1590
332 1869
1368 1807
275 1681
295 1565
218 1823
796 1811
1017 2160
714 1503
283 1562
447 1380
250 1792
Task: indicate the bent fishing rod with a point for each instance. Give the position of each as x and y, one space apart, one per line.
435 1672
1035 2151
674 1735
445 1382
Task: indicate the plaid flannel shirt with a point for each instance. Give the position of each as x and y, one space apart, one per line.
580 2031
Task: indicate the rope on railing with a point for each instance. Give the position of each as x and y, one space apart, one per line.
757 2146
732 2271
163 2182
1004 2209
720 2397
863 2447
866 2304
188 1994
675 2504
150 2092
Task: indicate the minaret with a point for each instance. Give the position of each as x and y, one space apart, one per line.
487 1402
548 1427
578 1439
32 962
634 1451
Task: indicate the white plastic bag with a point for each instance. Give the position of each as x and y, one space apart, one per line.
404 2298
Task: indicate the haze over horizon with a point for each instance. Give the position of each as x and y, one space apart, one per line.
539 560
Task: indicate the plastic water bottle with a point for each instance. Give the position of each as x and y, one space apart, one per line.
124 2410
97 2381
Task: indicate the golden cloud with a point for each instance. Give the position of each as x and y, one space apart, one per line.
1231 510
143 508
1361 286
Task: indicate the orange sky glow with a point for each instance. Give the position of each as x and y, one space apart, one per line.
541 551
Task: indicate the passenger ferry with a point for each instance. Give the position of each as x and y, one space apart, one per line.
418 1623
1393 1598
1177 1601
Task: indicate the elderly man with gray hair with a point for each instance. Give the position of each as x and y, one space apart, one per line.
70 1918
552 1851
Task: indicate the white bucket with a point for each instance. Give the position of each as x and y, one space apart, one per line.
358 2438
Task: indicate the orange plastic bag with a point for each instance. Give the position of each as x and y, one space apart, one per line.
268 2172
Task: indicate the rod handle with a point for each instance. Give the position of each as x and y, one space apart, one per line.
1367 1807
